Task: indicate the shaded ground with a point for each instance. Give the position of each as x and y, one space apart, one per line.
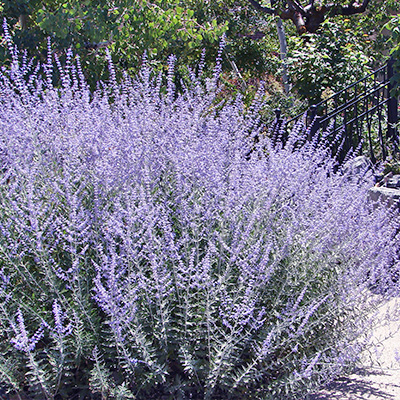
367 384
380 378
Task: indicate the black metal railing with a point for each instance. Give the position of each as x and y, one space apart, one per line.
360 118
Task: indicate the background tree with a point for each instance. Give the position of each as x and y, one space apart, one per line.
127 28
343 50
309 17
393 26
345 45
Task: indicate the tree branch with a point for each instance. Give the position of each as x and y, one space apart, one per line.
296 6
294 16
259 7
351 9
310 17
299 22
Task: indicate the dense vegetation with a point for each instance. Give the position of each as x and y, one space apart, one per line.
152 248
342 50
155 243
394 27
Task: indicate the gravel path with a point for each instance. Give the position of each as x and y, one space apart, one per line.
380 378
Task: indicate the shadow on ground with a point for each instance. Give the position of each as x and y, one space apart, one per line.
363 385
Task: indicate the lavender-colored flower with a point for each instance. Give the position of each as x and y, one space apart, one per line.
22 341
184 243
307 373
59 317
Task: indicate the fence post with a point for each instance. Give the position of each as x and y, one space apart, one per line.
314 128
392 109
278 112
313 122
277 128
311 113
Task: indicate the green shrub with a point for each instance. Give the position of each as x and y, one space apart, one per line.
145 253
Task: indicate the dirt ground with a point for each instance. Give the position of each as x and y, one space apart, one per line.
379 379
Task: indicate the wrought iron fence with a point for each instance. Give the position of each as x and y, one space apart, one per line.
360 118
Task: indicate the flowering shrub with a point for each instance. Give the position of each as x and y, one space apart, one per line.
145 254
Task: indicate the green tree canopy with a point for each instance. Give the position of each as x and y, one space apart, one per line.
127 28
347 38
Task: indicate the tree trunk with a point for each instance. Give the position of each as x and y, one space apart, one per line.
23 21
283 53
